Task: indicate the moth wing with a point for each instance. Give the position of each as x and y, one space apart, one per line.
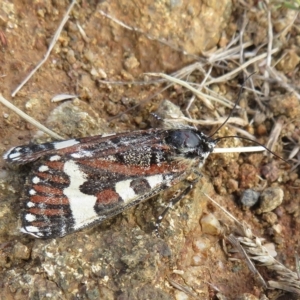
28 153
60 197
86 146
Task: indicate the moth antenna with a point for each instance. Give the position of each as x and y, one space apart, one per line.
234 106
239 137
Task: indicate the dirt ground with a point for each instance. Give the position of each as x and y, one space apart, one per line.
104 65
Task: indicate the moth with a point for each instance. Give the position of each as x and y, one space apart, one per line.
76 183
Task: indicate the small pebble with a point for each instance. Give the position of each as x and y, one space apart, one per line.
201 244
131 63
166 110
270 198
279 240
270 218
179 295
71 57
89 56
221 296
211 225
277 228
288 62
247 296
21 251
232 185
249 198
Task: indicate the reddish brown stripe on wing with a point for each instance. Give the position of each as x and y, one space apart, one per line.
49 200
107 197
163 168
47 212
39 224
53 178
55 165
47 190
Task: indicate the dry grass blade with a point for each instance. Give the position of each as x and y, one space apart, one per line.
210 122
266 86
182 288
53 42
62 97
235 72
29 119
252 248
286 279
234 241
202 96
83 34
282 81
244 133
274 135
297 263
225 54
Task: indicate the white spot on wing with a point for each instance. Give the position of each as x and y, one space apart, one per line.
107 134
82 205
10 155
82 154
30 229
14 155
168 179
128 194
30 217
111 158
32 192
154 180
125 191
55 158
43 169
30 204
65 144
36 180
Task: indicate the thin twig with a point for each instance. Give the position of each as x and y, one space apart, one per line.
282 81
243 132
199 88
53 42
275 133
297 264
234 72
266 87
83 34
242 30
209 122
62 97
228 53
236 243
182 288
201 95
29 119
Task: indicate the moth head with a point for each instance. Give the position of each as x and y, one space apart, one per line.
190 143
